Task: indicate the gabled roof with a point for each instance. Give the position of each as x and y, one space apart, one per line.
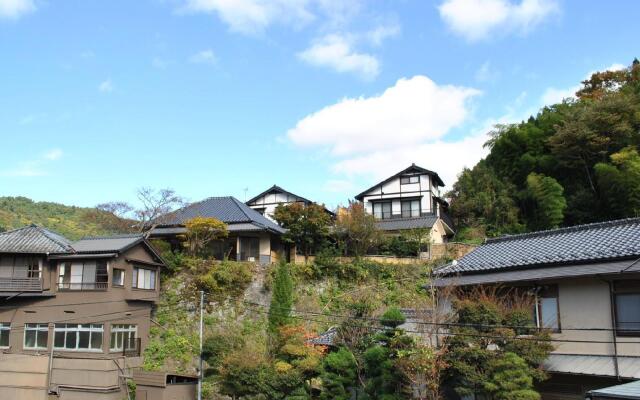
107 244
227 209
582 244
398 224
277 189
34 240
413 168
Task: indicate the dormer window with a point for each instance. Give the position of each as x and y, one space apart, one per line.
405 180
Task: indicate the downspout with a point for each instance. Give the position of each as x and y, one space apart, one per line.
50 367
614 329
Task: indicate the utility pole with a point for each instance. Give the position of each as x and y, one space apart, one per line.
200 374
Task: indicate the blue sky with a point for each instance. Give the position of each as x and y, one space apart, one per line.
322 97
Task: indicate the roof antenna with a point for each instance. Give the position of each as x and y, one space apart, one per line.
245 194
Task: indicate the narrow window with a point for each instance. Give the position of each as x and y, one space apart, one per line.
405 180
627 306
5 330
123 337
548 315
36 336
118 277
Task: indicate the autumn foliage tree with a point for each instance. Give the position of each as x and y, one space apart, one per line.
201 231
356 229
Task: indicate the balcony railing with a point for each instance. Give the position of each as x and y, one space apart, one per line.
20 284
64 286
132 347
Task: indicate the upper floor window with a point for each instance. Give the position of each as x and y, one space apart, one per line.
144 278
382 210
627 307
83 275
410 208
36 336
78 337
20 267
5 329
547 309
118 277
405 180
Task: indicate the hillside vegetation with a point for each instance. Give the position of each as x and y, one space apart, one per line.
575 162
70 221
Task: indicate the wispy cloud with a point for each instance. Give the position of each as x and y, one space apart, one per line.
14 9
479 19
35 167
106 86
207 57
337 52
382 32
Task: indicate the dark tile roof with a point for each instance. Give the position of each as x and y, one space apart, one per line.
411 168
106 244
33 239
327 338
618 239
399 224
227 209
277 189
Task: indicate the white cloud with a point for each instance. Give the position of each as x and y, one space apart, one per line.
486 73
204 57
106 86
254 16
479 19
14 9
36 167
336 52
377 35
411 112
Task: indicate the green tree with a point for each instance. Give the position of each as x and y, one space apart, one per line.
281 298
620 182
339 375
307 225
548 201
202 231
510 379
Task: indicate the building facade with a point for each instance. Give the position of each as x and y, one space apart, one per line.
75 316
410 199
586 283
266 202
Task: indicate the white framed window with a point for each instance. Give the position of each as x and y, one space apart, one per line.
547 309
405 180
123 337
78 337
5 330
36 336
118 277
144 278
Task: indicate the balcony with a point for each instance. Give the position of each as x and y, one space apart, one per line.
11 284
82 286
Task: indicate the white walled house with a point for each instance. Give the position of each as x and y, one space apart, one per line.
266 202
407 200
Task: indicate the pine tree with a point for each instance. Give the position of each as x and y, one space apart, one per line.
282 298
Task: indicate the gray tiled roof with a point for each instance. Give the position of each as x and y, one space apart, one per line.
227 209
579 244
327 338
105 244
33 239
407 223
629 390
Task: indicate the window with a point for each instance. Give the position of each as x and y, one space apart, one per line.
118 277
78 337
83 275
405 180
627 306
144 278
20 267
547 314
382 210
123 337
36 336
410 208
5 329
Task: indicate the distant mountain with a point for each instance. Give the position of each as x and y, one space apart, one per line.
70 221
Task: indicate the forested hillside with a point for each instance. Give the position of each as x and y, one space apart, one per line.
70 221
575 162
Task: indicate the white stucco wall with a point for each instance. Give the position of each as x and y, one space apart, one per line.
396 191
